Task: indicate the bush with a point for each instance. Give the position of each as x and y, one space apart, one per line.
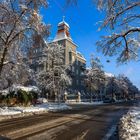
12 101
26 97
23 97
2 97
12 94
33 96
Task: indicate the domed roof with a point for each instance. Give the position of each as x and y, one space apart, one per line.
63 22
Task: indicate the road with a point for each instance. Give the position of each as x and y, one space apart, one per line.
83 122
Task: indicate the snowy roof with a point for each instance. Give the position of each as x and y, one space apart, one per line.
109 74
61 36
63 23
80 55
88 68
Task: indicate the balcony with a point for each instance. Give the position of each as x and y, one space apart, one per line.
83 68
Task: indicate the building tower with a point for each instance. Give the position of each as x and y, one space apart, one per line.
72 56
63 31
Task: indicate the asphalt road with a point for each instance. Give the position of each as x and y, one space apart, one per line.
83 122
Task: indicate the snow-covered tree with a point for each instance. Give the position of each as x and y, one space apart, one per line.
128 89
120 87
19 19
122 16
113 87
54 78
18 73
123 86
95 77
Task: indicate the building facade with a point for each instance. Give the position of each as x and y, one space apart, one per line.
72 58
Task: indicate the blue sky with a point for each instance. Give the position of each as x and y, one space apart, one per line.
83 20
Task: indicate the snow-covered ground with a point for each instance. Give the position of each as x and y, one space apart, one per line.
86 103
42 107
54 106
8 111
129 128
37 108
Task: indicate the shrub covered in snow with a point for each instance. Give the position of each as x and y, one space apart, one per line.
23 97
26 98
19 96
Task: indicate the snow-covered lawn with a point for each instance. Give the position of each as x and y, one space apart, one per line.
8 111
42 107
54 106
38 108
129 128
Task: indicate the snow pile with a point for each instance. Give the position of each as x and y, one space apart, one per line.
56 107
129 128
27 109
38 108
87 103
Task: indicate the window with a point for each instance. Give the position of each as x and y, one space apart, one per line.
82 73
79 62
72 68
77 82
82 82
70 57
73 58
77 72
76 61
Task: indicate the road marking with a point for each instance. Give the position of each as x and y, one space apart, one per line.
110 132
82 136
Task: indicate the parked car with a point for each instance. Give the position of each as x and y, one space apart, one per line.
108 100
41 100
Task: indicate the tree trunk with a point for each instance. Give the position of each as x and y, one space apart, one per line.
2 59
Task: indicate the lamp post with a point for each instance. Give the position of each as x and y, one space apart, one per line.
90 92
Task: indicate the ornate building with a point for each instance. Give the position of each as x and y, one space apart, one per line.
71 56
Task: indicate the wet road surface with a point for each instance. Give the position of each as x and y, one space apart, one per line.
83 122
